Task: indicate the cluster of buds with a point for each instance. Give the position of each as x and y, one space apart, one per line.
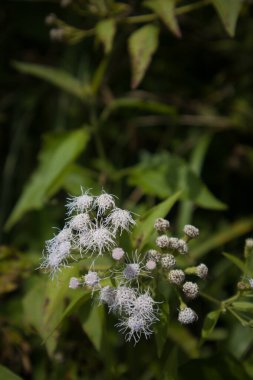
93 228
168 249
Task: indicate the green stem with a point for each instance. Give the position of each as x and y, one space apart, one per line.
242 321
210 298
178 11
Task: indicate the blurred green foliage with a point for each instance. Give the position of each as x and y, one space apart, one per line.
120 101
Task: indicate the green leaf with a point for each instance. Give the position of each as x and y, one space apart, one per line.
161 331
138 104
57 153
165 10
163 174
6 374
243 306
228 11
93 324
145 226
209 323
235 260
141 45
57 77
105 32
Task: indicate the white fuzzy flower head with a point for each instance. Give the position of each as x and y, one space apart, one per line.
202 271
74 283
104 203
168 261
191 290
131 271
107 295
80 222
144 306
57 256
120 220
124 298
150 265
191 231
162 225
99 240
187 316
152 254
176 276
64 235
80 204
117 254
162 241
134 326
91 279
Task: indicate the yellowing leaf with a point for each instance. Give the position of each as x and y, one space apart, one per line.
165 9
228 11
105 31
142 44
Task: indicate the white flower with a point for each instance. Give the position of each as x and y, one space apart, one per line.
107 295
133 327
57 256
144 306
131 271
187 316
120 220
80 204
64 235
91 279
98 240
117 253
124 298
80 222
249 243
104 203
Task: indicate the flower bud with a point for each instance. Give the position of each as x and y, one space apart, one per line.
191 231
152 254
162 241
176 276
168 261
118 253
202 271
150 265
187 316
162 225
74 283
191 290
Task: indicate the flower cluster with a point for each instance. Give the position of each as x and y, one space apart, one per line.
93 228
